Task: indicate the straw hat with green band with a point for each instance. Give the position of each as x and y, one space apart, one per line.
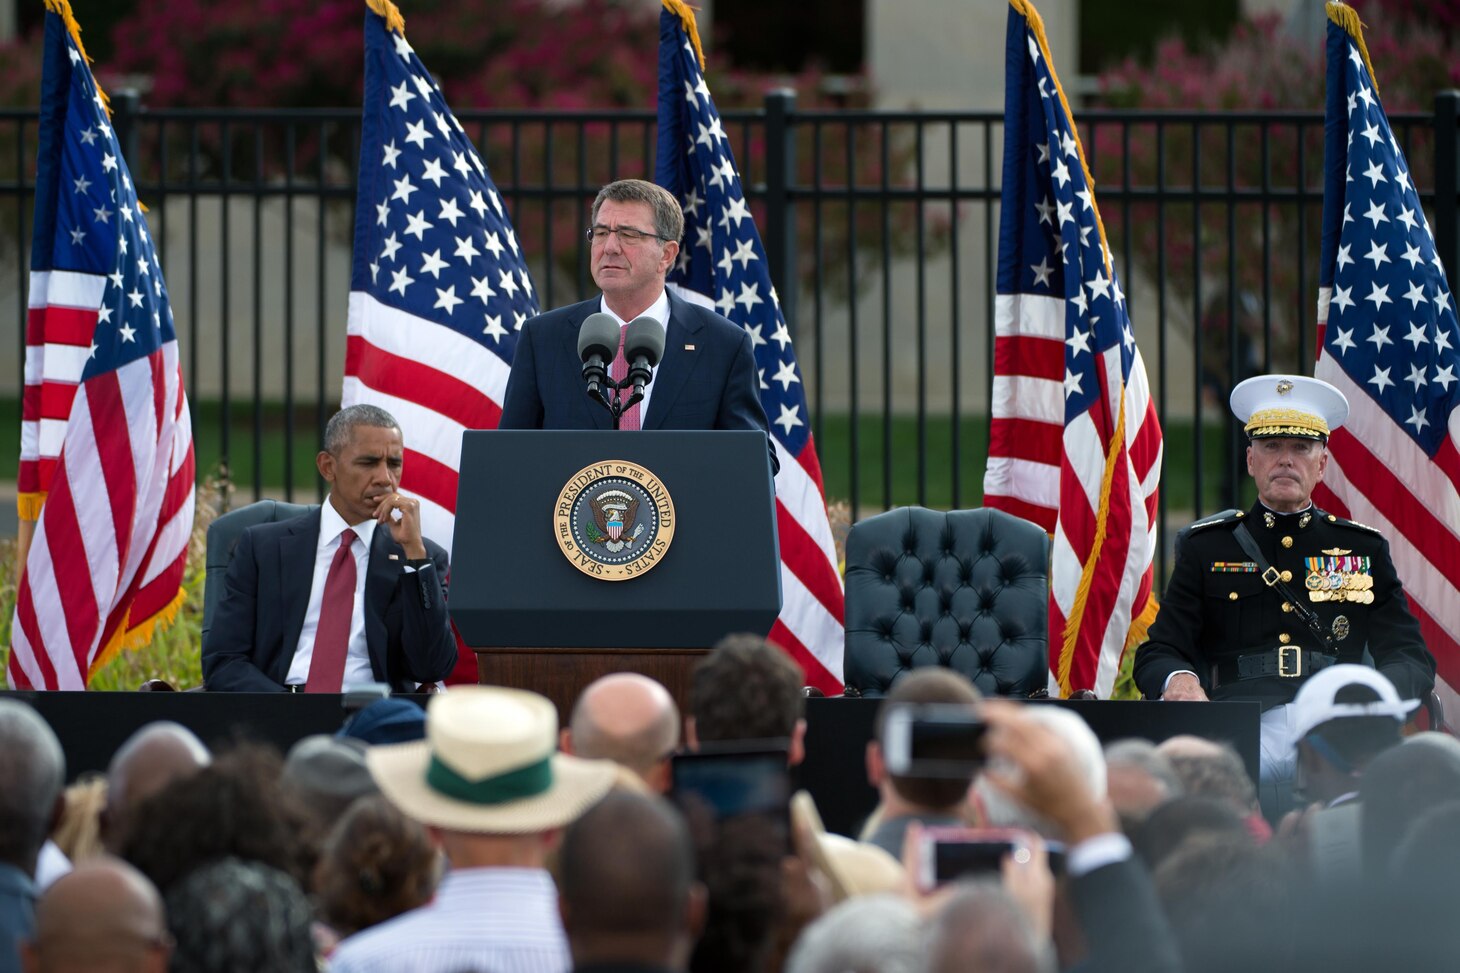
1289 405
489 764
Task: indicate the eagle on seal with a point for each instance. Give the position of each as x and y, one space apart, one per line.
614 511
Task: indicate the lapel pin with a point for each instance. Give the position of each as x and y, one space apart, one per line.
395 557
689 347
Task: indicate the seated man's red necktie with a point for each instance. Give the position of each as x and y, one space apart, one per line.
618 371
336 610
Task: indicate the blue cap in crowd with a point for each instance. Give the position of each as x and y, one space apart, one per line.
386 721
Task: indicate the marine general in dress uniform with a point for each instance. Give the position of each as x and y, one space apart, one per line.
1227 629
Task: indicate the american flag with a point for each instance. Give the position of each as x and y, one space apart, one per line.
439 288
1074 444
1388 341
723 265
106 438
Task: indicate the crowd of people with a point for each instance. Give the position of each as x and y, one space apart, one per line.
479 836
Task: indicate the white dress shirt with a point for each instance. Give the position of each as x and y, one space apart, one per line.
50 865
357 656
497 920
659 311
1097 852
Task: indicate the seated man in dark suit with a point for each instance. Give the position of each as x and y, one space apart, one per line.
350 593
707 379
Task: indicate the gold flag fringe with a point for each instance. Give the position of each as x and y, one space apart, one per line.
1348 18
1117 441
686 16
1102 519
393 19
1027 10
29 505
130 637
62 9
1141 624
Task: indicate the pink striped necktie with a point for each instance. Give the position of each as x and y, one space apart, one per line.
336 611
618 371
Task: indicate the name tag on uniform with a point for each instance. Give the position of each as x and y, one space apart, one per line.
1234 567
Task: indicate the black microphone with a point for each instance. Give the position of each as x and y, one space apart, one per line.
597 344
643 348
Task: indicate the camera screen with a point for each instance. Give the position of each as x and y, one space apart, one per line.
955 859
947 742
734 784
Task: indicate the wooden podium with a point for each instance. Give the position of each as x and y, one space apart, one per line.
530 588
561 674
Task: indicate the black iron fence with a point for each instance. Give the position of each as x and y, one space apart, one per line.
881 233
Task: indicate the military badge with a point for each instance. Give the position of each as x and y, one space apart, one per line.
1337 551
1340 627
613 520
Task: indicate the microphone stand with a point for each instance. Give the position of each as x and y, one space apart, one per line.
615 403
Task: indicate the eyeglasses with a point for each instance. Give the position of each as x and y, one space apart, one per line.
627 235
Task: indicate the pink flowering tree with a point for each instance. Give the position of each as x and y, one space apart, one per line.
1415 49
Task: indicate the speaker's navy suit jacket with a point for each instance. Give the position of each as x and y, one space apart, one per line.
707 379
266 595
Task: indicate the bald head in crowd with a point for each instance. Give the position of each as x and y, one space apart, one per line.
629 719
32 772
102 917
148 761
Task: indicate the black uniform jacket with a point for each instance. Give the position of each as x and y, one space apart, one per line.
1217 606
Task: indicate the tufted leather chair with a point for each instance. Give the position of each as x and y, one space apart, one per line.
967 589
223 535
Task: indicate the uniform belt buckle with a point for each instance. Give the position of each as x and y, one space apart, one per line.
1271 576
1297 664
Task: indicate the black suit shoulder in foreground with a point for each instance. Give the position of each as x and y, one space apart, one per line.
1124 927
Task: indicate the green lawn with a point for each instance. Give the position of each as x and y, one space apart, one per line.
891 477
886 477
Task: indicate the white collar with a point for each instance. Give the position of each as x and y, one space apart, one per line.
659 310
331 525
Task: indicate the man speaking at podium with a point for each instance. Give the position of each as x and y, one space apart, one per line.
707 378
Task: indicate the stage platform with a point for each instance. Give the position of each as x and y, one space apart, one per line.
92 725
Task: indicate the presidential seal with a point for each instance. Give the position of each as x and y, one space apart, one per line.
613 520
